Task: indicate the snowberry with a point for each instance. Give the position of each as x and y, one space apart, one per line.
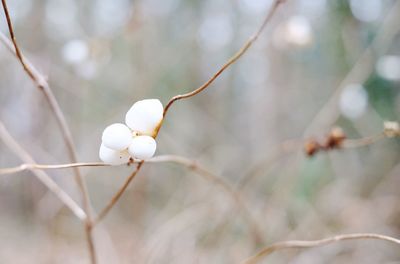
113 157
142 147
145 116
117 136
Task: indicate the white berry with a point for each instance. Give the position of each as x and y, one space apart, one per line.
117 136
145 116
142 147
113 157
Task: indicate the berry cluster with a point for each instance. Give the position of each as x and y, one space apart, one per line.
135 140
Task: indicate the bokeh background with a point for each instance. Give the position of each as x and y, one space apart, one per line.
101 56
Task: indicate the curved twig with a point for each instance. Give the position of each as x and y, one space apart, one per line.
300 244
232 60
116 196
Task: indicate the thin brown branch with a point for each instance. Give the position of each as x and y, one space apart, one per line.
32 166
13 145
231 61
301 244
361 142
42 84
337 140
116 196
14 41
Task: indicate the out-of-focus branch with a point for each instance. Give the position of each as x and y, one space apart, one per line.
300 244
209 176
116 196
12 144
360 71
336 139
43 86
232 60
361 142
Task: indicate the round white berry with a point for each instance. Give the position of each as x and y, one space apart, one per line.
113 157
142 147
145 116
117 136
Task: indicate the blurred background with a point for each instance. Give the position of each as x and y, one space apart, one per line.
101 56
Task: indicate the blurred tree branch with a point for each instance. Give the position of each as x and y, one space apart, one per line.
43 86
231 61
300 244
117 195
360 71
13 145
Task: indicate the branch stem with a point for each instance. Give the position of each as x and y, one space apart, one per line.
302 244
231 61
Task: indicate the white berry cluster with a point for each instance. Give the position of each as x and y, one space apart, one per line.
135 140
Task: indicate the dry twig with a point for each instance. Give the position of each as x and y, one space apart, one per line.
300 244
118 195
35 166
361 142
232 60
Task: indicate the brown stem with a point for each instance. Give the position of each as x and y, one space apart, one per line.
116 196
315 243
361 142
232 60
32 166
